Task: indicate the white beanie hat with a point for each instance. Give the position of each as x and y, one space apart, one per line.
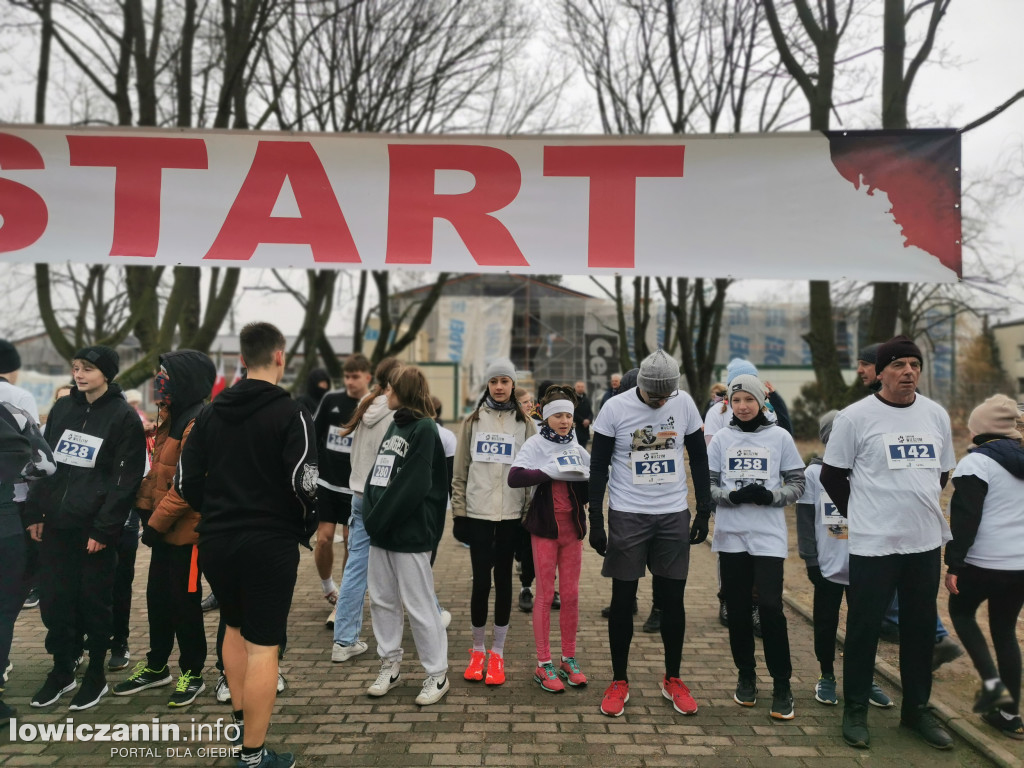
659 373
500 367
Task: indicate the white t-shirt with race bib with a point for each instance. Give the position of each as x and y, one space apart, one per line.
896 457
647 474
831 534
743 458
999 543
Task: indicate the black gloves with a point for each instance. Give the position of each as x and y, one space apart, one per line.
598 537
752 494
699 529
460 529
814 574
151 536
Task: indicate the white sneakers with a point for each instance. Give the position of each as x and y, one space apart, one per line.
341 652
434 687
446 618
387 678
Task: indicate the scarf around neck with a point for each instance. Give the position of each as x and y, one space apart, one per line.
549 434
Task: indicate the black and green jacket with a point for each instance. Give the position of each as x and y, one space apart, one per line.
408 513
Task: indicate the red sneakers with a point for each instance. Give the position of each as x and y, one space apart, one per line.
548 679
675 690
569 671
495 670
475 670
615 697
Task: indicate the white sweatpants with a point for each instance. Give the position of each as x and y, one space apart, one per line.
404 579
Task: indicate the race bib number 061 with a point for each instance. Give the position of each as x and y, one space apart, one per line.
653 467
494 448
77 449
907 451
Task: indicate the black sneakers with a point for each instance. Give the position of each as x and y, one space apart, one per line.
93 688
782 701
141 678
653 623
746 689
56 685
930 728
210 603
119 657
855 725
525 600
189 686
989 699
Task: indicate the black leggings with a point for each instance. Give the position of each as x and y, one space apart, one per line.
1004 591
668 597
828 596
492 547
741 574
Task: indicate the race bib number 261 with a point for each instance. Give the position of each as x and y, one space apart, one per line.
653 467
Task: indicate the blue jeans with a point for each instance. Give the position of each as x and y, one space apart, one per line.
348 616
892 615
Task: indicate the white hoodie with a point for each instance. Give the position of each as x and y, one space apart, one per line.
366 440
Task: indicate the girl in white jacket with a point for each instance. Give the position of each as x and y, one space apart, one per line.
487 512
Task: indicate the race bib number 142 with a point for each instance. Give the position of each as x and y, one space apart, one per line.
906 451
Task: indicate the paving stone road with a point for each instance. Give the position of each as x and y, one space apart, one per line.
325 717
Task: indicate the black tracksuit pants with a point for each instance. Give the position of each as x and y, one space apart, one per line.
174 612
76 597
124 578
915 578
12 566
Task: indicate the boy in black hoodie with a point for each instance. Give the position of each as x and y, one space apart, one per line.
249 468
78 514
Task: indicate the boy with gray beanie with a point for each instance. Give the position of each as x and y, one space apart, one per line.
642 433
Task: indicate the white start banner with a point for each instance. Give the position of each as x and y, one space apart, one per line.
814 206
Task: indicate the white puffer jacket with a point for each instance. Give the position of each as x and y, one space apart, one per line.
480 489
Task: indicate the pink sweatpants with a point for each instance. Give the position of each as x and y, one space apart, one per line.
566 555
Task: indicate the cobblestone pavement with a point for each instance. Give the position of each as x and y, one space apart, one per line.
326 718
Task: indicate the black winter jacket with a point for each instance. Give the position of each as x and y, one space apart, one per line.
95 498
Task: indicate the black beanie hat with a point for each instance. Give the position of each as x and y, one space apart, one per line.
894 349
10 360
869 354
104 358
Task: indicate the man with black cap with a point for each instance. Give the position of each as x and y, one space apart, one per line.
866 367
648 519
884 468
78 514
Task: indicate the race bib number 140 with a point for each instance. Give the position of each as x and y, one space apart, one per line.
77 449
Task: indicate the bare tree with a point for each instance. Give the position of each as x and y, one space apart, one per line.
694 67
398 66
114 43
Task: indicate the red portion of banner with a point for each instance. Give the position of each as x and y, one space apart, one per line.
139 162
23 210
413 204
321 225
613 172
919 170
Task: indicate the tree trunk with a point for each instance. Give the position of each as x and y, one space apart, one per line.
822 340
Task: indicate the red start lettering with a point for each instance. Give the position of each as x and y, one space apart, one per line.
139 162
613 172
413 204
23 210
320 224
